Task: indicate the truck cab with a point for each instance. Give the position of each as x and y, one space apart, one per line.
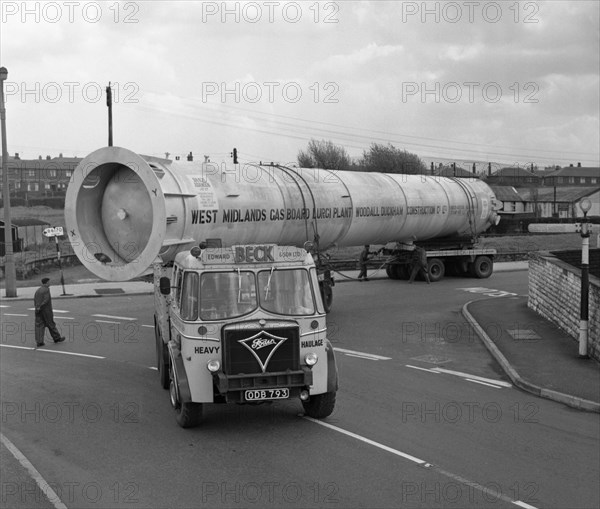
244 324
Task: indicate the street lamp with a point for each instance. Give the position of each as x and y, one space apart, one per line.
585 206
9 267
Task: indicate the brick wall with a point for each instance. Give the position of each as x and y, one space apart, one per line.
555 293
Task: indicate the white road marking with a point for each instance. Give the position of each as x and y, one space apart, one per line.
422 369
362 354
14 314
19 347
33 472
423 463
488 292
106 321
473 377
150 326
55 310
368 441
524 505
483 383
64 318
116 317
153 367
4 306
72 353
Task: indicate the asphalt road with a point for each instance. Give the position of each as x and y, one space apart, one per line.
409 429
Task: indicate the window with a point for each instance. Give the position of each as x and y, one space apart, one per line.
593 180
286 292
31 173
189 296
227 294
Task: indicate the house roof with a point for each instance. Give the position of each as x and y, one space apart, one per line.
576 171
506 193
563 194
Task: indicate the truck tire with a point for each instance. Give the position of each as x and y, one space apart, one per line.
162 357
320 405
189 415
482 267
327 296
396 271
436 269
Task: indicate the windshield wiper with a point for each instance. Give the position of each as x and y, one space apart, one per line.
269 283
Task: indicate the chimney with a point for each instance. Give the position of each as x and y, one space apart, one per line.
571 165
17 155
40 158
474 171
578 165
489 169
190 157
60 155
48 158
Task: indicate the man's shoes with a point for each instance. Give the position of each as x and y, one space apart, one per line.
59 340
41 344
366 279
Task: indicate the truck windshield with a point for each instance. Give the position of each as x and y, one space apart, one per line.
286 292
227 294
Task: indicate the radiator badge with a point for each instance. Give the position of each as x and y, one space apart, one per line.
262 345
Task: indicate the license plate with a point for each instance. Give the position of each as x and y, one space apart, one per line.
260 394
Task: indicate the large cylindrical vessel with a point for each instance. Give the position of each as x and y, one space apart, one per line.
123 211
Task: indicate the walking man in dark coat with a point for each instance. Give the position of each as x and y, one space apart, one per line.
419 263
44 315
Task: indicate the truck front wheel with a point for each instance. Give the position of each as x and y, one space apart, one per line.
320 405
188 414
482 267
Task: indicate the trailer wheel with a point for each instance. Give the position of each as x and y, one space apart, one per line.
396 271
436 269
320 405
482 267
327 296
162 357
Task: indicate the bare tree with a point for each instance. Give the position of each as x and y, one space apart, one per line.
324 154
389 159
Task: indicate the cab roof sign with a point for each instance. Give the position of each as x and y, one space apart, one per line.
253 253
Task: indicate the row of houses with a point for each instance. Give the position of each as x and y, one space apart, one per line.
552 192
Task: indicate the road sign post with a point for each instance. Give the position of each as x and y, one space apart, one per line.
56 232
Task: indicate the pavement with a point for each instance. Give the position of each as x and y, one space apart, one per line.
535 354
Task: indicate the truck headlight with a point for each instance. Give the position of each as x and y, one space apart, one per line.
213 365
311 359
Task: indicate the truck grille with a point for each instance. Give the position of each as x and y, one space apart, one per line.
261 350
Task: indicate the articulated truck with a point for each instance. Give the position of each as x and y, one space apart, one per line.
236 252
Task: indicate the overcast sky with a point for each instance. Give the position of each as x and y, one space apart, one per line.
511 82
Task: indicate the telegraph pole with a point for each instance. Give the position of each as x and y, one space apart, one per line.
10 272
